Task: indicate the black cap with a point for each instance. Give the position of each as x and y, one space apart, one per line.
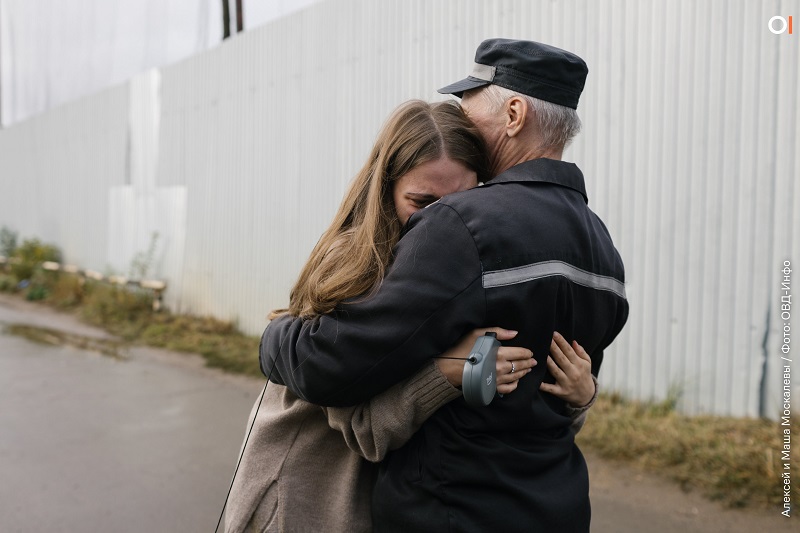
539 70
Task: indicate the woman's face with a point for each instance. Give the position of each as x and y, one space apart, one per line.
428 182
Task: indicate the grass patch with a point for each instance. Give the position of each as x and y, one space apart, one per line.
128 313
736 461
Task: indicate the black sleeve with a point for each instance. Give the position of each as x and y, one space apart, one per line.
430 297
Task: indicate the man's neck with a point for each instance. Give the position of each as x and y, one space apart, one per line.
511 160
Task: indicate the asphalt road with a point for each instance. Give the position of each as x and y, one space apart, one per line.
91 443
148 443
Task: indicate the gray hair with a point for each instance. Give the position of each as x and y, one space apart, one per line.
557 124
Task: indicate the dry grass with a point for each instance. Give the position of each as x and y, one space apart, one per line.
734 460
128 314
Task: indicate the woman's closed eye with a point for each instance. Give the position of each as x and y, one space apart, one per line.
419 204
422 200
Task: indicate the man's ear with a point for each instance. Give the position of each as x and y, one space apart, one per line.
516 111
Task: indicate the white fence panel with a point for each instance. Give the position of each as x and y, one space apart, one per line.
56 171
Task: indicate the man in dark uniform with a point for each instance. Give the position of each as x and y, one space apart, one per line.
523 252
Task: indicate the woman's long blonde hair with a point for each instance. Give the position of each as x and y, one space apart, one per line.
352 255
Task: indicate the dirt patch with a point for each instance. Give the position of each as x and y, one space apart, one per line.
108 347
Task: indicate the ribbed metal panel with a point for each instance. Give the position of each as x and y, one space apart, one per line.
56 171
689 149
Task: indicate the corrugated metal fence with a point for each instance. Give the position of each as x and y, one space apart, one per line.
238 157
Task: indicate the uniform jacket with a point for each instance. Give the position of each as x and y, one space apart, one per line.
523 252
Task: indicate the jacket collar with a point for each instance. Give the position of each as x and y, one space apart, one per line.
544 171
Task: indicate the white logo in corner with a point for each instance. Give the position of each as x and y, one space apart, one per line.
779 25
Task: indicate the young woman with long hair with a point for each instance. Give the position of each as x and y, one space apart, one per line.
304 466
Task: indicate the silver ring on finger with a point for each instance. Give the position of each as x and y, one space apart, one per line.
513 368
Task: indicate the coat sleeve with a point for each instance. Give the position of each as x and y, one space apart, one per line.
388 420
431 296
